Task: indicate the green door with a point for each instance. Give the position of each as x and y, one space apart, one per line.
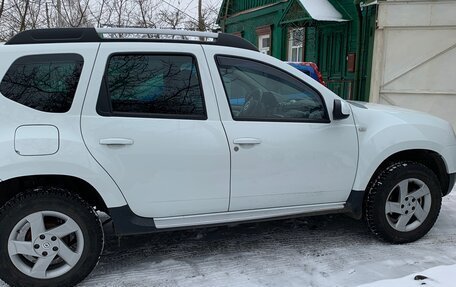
332 59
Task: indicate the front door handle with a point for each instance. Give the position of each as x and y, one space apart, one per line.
247 141
116 141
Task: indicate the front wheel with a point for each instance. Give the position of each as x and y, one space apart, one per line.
49 237
403 202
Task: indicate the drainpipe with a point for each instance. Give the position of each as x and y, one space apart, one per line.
358 73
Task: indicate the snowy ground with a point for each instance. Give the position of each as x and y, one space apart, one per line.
440 276
319 251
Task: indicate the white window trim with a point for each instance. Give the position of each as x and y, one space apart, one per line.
291 46
261 48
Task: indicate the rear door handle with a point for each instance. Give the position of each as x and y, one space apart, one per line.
116 141
247 141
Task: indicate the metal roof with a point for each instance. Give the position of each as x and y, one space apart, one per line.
322 10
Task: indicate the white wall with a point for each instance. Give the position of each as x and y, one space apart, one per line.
414 63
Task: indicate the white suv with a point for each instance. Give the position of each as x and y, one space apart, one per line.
173 131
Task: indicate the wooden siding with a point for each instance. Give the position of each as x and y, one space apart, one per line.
326 43
239 6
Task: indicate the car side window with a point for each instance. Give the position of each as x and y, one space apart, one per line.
45 83
154 86
271 94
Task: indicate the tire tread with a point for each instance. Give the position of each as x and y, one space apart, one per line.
52 193
372 195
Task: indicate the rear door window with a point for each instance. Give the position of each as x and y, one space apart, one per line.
152 86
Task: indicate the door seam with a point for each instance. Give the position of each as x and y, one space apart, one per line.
223 126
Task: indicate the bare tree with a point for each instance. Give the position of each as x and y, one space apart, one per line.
15 17
172 19
35 15
23 13
207 18
59 13
47 15
74 13
122 12
2 7
19 15
147 16
100 12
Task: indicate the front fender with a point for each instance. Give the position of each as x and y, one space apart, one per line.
385 132
370 161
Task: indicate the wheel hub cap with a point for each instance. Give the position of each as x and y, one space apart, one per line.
408 205
46 245
51 252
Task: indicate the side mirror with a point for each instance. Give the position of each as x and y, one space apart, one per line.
341 110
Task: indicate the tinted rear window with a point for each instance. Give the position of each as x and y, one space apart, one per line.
154 86
43 82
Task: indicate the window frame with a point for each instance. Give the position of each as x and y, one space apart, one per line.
264 32
325 120
263 49
69 57
104 104
291 46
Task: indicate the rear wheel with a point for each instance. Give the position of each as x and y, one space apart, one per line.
49 237
403 202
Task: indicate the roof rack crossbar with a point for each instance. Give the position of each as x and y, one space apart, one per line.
150 31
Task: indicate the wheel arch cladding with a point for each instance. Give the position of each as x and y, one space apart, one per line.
430 159
9 188
357 200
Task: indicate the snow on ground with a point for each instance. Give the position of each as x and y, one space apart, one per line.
441 276
316 251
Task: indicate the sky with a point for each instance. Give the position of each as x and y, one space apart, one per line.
191 6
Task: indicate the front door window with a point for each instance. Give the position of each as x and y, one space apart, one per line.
257 91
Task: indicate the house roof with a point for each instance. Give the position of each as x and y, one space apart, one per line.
318 10
224 10
322 10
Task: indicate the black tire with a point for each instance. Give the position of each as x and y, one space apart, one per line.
59 201
383 186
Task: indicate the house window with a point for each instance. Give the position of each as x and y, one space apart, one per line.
264 44
264 39
296 44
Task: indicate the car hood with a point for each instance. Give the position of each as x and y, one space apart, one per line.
401 120
395 111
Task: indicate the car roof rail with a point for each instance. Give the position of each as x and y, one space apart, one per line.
84 35
150 31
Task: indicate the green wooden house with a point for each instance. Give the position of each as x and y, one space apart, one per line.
337 35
